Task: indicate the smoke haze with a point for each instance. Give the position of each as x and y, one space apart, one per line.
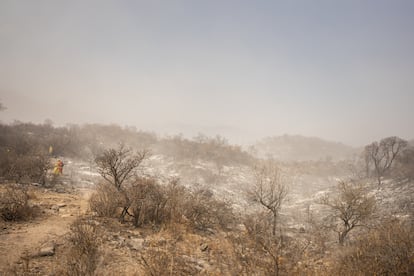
244 69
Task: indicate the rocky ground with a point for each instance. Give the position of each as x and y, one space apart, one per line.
41 246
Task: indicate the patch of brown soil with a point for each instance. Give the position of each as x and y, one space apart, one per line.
57 213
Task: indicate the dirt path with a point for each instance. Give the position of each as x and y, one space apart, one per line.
59 211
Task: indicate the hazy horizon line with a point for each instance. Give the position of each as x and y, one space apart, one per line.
200 130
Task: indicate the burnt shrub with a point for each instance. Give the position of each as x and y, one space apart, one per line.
388 250
24 168
106 200
203 211
156 261
148 202
14 203
83 255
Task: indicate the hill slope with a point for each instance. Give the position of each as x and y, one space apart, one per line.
301 148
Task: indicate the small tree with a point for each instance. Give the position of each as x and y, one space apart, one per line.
351 208
117 166
269 190
382 155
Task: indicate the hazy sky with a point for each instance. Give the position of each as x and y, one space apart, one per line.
340 70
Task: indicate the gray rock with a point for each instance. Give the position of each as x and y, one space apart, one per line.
210 231
197 264
46 250
161 241
136 244
203 247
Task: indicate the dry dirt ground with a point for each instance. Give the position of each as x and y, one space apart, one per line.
122 247
55 213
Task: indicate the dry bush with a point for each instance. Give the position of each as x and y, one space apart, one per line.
159 262
203 211
170 204
106 200
31 166
144 201
318 235
258 252
14 203
247 260
175 194
385 251
82 258
405 164
20 268
262 252
148 202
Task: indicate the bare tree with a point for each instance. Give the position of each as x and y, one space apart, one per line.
352 207
261 253
117 166
382 155
269 190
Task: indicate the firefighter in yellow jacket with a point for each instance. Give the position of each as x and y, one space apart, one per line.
58 167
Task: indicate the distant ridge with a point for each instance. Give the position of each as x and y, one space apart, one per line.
302 148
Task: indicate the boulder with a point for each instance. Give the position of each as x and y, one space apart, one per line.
203 247
46 250
136 243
